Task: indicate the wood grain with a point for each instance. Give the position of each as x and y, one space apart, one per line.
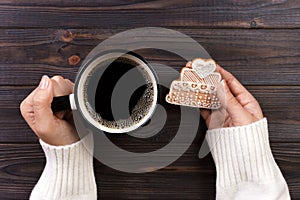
187 178
273 100
254 57
258 41
114 14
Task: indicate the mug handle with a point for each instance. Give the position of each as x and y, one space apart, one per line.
63 103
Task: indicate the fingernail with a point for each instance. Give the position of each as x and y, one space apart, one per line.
224 84
44 82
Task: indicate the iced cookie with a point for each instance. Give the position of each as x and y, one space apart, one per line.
197 85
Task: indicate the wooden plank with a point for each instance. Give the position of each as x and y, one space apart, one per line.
253 56
175 13
35 40
279 103
187 178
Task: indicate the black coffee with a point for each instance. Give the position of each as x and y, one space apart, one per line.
123 96
106 85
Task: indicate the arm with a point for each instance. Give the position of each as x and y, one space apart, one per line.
68 173
239 143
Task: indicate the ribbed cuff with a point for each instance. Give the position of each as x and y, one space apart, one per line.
242 154
68 173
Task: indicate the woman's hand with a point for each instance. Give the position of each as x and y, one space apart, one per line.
53 128
239 107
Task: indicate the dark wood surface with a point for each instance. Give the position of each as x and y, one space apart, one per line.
170 13
256 57
258 41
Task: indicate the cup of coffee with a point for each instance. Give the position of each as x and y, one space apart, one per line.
115 92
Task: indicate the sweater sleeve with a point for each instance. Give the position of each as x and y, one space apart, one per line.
245 165
68 173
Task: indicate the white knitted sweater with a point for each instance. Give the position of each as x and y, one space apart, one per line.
245 167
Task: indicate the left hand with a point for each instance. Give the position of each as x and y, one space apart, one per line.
53 128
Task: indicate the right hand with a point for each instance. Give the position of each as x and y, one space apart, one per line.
53 128
239 107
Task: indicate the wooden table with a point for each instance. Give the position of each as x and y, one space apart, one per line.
258 41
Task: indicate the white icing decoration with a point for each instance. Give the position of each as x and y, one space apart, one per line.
203 68
197 86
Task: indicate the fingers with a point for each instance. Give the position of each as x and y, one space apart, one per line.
218 118
36 110
188 64
62 86
43 115
242 95
205 113
26 105
235 86
235 110
36 107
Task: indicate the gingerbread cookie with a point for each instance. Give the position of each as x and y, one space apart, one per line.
197 85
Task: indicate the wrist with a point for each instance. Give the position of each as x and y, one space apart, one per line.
68 173
56 138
